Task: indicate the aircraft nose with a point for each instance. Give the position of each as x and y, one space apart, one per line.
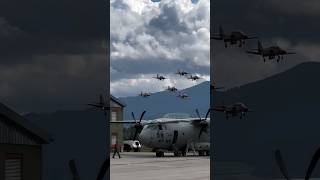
143 137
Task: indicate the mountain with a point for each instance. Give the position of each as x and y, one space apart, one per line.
164 102
285 115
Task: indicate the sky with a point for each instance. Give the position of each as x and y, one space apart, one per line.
158 37
53 53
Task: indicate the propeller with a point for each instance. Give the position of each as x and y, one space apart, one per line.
203 122
104 168
73 169
138 125
313 164
281 164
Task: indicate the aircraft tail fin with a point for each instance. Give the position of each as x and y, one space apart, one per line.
260 48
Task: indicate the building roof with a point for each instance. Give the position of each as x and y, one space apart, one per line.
116 100
25 124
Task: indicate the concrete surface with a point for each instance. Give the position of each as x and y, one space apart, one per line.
145 166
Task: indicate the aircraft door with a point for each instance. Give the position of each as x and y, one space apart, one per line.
175 137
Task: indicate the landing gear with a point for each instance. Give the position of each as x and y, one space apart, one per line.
177 153
201 153
160 154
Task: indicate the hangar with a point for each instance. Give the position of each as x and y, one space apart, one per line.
20 146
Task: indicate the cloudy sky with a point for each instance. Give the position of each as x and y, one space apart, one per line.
53 53
158 37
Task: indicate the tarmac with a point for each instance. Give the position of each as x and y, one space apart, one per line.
146 166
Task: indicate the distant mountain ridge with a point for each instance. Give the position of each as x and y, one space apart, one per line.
164 102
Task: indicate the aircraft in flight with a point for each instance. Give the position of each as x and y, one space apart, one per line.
159 77
233 37
144 94
194 78
183 96
172 89
283 167
174 132
101 105
234 109
270 52
181 73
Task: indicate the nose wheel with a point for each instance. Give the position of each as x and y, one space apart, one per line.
160 154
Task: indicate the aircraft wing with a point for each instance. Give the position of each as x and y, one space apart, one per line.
216 37
95 105
253 52
219 108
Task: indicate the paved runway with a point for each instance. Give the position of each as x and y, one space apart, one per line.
145 166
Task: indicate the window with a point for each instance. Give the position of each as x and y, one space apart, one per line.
13 167
113 116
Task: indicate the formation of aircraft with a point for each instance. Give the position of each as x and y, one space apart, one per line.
270 52
233 37
172 134
234 110
144 94
283 167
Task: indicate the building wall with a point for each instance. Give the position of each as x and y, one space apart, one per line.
117 129
31 160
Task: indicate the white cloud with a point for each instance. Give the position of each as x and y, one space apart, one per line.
157 32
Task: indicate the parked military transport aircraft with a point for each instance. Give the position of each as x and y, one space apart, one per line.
174 132
234 109
172 89
160 77
144 94
233 38
181 73
270 52
283 166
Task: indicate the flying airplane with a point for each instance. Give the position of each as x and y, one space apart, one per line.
234 109
234 37
172 133
283 167
194 78
270 52
101 105
160 77
144 94
172 89
181 73
183 96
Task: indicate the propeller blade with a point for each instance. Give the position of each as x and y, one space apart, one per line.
132 114
73 169
207 113
104 168
281 164
198 114
142 116
313 164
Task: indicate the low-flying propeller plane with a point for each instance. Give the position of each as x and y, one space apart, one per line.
144 94
172 89
159 77
171 133
233 38
270 52
181 73
183 95
234 109
194 78
283 167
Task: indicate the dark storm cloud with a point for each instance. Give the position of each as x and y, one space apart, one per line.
285 23
52 53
